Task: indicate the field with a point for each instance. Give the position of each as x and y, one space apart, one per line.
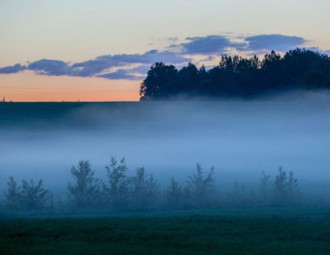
221 231
46 136
51 114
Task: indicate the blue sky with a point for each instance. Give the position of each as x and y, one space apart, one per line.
120 39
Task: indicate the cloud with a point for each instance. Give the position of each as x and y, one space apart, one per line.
277 42
257 44
101 63
92 67
121 74
12 69
143 69
102 66
211 44
50 67
169 57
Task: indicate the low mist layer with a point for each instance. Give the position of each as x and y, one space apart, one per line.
239 138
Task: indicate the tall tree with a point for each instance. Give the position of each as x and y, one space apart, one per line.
118 183
264 188
160 82
201 187
238 77
286 188
28 196
33 195
12 195
174 194
144 189
85 189
188 79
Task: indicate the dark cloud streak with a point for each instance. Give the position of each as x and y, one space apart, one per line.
212 44
120 74
101 66
49 67
12 69
276 42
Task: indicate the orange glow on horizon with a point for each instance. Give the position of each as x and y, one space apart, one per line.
29 87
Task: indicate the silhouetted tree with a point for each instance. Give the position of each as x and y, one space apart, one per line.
33 195
239 77
12 195
187 80
201 188
174 194
29 196
160 82
264 188
118 183
144 189
86 188
285 188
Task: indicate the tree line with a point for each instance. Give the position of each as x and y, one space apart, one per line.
238 77
120 192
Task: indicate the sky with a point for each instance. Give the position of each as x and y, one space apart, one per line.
56 50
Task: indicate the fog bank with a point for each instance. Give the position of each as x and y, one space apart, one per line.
239 138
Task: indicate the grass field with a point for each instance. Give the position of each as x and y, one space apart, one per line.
53 114
221 231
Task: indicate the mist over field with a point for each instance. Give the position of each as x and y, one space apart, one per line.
239 138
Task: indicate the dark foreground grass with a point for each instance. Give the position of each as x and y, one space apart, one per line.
222 231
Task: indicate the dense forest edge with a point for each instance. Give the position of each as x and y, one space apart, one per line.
238 77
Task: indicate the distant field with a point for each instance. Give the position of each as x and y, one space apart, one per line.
40 114
221 231
139 131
